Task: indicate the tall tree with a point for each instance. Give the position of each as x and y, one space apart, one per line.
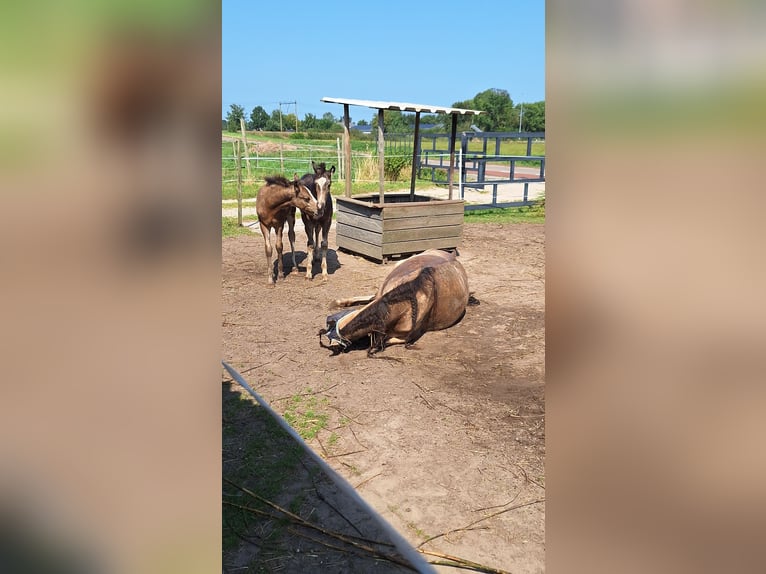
394 122
232 118
289 122
258 119
533 118
327 122
499 110
463 122
309 122
273 124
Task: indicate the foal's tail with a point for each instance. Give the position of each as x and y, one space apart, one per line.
351 301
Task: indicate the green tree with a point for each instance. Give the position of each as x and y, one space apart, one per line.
310 122
533 118
362 123
289 122
232 118
258 119
273 124
463 122
327 122
498 108
394 122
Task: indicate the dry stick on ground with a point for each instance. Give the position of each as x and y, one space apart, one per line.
467 527
321 497
366 480
526 477
246 371
365 550
499 505
294 517
307 393
324 451
348 417
357 440
462 563
299 521
345 453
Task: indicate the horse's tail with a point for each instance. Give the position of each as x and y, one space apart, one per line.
351 301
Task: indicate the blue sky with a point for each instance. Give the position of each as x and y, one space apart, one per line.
420 51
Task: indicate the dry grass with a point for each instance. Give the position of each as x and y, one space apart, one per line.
365 168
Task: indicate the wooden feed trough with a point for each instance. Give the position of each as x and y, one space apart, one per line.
402 225
381 226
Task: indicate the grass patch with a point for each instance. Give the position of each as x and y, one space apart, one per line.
307 415
532 214
258 455
230 227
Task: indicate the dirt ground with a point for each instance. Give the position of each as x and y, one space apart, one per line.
445 440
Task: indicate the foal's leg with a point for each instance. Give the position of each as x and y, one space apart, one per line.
291 237
266 232
278 244
325 233
309 227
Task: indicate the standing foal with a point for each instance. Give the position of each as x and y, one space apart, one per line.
319 183
275 204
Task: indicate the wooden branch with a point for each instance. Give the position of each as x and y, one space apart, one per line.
456 562
427 540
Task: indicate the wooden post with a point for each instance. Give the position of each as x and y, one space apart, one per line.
452 152
347 148
281 157
415 146
244 143
381 153
238 157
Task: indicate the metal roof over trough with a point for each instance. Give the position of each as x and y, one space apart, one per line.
402 106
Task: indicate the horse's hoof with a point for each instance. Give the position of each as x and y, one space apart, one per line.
324 278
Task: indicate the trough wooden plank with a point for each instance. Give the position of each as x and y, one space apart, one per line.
356 220
422 233
360 247
357 233
422 221
398 210
417 246
346 206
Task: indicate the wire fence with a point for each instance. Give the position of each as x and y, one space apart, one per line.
498 177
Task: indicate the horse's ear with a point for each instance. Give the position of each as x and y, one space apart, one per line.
332 169
313 165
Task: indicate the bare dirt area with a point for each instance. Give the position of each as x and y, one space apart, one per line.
446 440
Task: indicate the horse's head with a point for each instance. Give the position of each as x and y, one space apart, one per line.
322 181
304 199
335 340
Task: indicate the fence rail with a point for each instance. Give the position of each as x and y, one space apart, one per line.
482 163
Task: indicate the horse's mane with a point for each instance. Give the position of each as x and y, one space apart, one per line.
374 317
277 180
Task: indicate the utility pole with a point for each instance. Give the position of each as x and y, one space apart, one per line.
521 115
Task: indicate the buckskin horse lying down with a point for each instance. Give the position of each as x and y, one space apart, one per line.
426 292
